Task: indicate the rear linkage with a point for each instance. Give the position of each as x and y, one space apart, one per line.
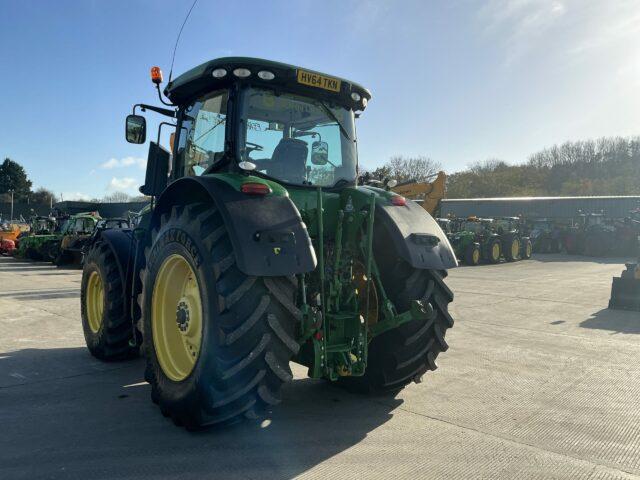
340 335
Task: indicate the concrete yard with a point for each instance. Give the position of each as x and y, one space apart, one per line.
540 381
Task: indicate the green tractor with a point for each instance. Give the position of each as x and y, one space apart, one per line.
463 241
34 245
515 243
479 231
74 236
546 235
261 249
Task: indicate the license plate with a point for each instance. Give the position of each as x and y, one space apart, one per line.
318 81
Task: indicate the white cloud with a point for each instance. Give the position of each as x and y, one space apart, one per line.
76 196
125 183
523 23
573 27
124 162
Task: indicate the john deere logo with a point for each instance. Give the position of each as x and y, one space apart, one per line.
276 250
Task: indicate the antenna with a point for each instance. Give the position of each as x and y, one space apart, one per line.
178 39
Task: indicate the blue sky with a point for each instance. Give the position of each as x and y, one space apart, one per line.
459 81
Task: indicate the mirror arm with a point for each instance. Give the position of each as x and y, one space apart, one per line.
162 111
160 129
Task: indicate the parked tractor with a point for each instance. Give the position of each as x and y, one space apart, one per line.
262 249
595 235
546 236
480 231
514 239
463 242
75 235
34 244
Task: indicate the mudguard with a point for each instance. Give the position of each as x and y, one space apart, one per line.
268 235
417 237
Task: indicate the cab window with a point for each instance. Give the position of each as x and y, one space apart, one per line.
202 141
297 139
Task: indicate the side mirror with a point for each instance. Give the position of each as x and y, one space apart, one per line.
155 180
136 129
319 153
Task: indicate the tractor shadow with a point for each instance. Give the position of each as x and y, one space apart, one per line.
89 419
615 321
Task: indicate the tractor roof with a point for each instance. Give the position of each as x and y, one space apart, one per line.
91 215
200 79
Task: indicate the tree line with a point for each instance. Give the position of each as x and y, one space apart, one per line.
14 179
607 166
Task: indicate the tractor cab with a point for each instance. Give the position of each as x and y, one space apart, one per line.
43 225
272 120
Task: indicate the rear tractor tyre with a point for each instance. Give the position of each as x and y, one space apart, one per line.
472 254
217 342
404 354
494 251
105 321
512 249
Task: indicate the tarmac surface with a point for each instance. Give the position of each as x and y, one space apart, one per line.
540 381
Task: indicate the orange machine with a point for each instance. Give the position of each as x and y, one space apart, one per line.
428 194
10 232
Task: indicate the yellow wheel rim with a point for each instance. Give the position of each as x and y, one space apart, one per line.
515 248
528 250
476 256
94 301
176 318
495 251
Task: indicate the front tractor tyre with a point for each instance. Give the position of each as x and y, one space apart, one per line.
472 254
493 251
217 342
512 249
105 321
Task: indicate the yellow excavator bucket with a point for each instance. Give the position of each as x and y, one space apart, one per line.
428 194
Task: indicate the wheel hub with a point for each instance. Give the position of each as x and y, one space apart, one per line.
182 316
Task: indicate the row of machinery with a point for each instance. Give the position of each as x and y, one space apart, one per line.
477 240
591 234
60 240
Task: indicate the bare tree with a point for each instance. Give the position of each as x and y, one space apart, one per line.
116 197
419 168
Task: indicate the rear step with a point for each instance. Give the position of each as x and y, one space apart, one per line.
625 290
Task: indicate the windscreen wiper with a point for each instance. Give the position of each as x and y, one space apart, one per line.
333 117
220 121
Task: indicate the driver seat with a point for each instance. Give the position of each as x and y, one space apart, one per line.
289 160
